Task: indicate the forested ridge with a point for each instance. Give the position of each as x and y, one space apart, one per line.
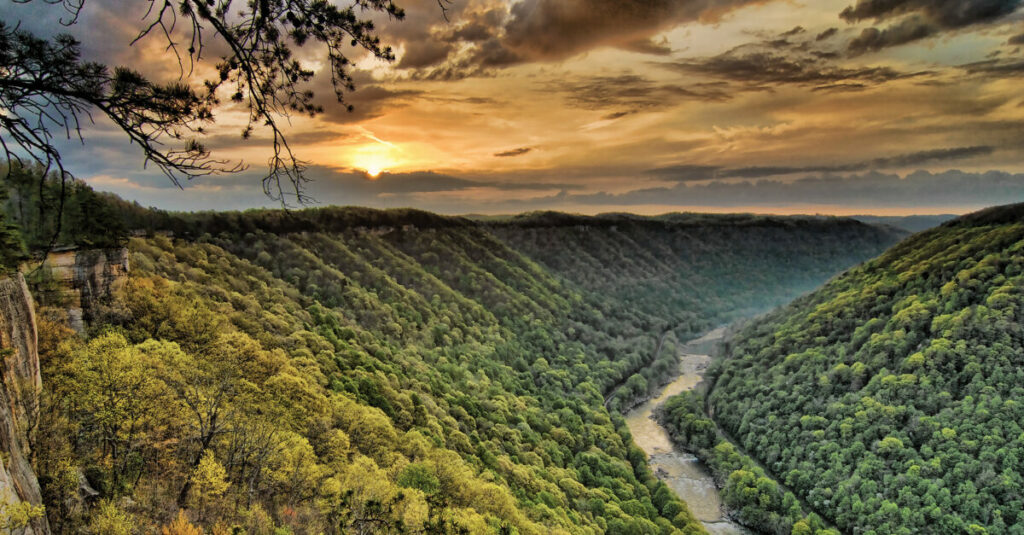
891 398
692 272
345 370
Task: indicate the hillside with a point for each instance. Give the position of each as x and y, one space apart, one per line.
692 272
891 398
354 370
910 223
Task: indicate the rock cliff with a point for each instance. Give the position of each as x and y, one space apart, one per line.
77 280
20 385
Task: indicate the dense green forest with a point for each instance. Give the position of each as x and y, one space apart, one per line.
49 213
891 399
751 495
693 272
353 371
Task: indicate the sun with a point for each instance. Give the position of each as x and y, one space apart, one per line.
374 171
373 163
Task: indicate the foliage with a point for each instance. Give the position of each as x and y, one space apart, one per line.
30 199
753 497
890 399
350 370
180 526
109 519
15 517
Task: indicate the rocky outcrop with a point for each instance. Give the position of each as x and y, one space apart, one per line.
77 280
20 385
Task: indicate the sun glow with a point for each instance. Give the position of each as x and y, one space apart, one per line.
373 164
374 171
374 159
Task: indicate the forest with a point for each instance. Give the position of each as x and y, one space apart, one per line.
344 370
890 399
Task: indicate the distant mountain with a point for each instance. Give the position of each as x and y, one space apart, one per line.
910 223
694 271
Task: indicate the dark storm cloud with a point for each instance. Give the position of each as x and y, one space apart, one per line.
762 66
693 173
920 19
514 152
631 93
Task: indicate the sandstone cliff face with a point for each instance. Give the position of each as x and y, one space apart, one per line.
78 279
20 385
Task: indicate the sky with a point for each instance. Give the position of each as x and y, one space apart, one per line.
650 106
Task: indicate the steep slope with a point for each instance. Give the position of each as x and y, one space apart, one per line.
691 272
20 385
892 398
910 223
349 369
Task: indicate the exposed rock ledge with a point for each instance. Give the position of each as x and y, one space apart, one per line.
77 279
20 385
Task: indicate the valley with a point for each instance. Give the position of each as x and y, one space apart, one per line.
342 369
682 471
338 370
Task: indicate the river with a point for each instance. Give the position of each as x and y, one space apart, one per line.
681 471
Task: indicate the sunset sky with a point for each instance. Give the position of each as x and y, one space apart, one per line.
649 106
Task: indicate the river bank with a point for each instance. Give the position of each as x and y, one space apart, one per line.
682 471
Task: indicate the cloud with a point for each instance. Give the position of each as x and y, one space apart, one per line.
514 152
826 34
500 35
686 173
557 29
947 13
418 182
905 31
616 115
763 65
370 99
1016 40
649 46
631 93
919 189
920 19
693 173
929 156
996 68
